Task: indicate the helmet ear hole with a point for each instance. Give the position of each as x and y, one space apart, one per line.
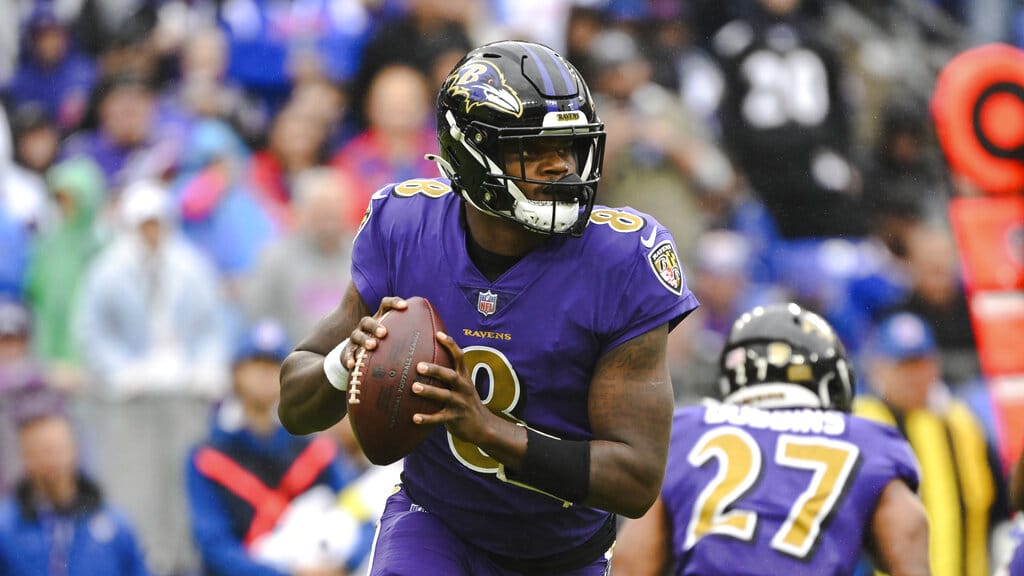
475 135
724 387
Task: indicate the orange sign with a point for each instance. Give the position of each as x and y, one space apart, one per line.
978 106
990 236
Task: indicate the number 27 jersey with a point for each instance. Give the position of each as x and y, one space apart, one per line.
789 492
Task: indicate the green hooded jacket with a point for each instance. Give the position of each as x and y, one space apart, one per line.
62 253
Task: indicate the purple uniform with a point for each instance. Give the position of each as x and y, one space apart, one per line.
531 338
1015 567
789 492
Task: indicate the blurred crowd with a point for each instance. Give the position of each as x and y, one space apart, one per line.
174 174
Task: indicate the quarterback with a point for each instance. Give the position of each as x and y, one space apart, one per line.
557 414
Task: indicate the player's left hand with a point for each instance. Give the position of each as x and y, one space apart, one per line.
464 413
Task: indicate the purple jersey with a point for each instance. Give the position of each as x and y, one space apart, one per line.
789 492
531 338
1016 566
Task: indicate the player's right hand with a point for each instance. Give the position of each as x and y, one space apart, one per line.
369 330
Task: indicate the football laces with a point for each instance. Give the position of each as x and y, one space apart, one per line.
357 372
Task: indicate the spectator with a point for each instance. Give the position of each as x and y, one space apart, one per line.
127 133
906 180
328 102
23 197
583 25
264 502
364 498
19 373
151 306
23 210
302 276
426 30
295 143
57 520
400 130
204 91
687 63
785 119
101 25
962 483
53 73
59 258
151 329
659 159
219 208
937 294
131 51
36 138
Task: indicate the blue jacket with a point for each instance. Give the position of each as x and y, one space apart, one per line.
89 539
220 519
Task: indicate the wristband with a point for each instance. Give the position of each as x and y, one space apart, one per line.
336 372
559 467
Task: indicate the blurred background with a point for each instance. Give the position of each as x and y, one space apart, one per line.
175 172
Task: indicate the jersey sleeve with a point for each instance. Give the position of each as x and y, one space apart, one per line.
370 259
894 458
654 291
904 462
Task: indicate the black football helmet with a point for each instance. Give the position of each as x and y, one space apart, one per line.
498 98
783 356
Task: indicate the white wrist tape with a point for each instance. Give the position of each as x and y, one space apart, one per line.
336 372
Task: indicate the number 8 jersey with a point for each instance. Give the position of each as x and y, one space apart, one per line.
531 339
791 492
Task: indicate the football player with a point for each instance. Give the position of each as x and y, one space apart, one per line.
779 478
557 415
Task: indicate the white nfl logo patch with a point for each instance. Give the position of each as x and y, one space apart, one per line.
487 303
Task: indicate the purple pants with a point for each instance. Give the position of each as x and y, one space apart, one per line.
413 542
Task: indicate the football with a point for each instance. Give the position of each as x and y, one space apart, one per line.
381 403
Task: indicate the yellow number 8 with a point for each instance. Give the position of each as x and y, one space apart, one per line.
619 220
425 186
502 397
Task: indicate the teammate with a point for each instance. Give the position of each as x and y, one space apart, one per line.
558 312
779 479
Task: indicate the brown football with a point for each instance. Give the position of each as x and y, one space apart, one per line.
381 403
